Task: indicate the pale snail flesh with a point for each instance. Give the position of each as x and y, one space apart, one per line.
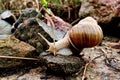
87 33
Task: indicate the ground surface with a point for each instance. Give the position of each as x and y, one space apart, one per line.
102 63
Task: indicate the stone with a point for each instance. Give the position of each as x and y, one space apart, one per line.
8 16
62 65
5 27
27 13
12 47
28 28
29 33
102 10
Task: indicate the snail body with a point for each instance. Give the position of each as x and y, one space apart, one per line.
87 33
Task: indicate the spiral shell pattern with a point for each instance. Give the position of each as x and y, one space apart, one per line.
87 33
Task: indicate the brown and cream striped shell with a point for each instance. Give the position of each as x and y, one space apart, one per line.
87 33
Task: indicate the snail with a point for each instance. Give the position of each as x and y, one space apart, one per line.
87 33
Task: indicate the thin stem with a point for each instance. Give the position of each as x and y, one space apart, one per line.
84 73
44 38
12 57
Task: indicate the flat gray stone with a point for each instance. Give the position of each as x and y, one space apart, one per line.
60 64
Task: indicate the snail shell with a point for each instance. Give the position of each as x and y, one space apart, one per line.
87 33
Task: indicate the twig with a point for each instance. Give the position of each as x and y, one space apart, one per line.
76 74
107 60
104 53
83 77
87 64
23 58
49 19
75 21
37 3
69 15
41 9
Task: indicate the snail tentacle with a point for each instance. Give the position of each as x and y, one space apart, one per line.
51 46
54 47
